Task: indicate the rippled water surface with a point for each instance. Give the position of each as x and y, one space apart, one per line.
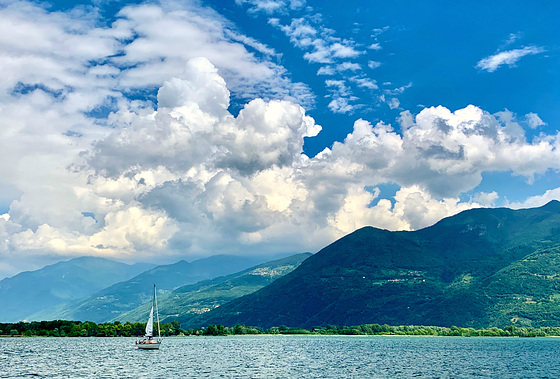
282 357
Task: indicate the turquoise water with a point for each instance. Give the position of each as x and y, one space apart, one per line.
282 357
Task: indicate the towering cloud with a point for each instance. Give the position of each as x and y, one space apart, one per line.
126 144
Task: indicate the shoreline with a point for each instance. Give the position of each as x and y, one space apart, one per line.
286 335
67 328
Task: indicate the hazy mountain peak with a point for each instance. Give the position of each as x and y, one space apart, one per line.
32 291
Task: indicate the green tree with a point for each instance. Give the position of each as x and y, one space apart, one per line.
211 330
222 330
239 329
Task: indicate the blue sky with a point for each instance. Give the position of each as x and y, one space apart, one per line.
153 131
432 50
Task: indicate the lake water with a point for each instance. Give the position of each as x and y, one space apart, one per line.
282 357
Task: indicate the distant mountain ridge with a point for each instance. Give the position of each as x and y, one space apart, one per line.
108 303
31 291
480 268
189 301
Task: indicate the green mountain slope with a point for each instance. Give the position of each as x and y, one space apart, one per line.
478 268
189 301
526 292
32 291
124 296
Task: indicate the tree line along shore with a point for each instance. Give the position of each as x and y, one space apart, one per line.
63 328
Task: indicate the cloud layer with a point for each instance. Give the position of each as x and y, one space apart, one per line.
119 141
189 177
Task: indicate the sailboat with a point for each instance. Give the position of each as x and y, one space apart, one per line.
149 342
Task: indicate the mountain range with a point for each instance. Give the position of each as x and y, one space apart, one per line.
32 291
479 268
191 300
110 302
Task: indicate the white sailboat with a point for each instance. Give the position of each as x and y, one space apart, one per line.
149 342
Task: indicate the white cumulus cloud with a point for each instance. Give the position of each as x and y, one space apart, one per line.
486 198
534 120
92 171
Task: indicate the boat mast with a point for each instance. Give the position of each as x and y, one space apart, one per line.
157 313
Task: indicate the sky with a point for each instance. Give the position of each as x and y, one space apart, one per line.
165 130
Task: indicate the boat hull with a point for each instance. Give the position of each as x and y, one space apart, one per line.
149 346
